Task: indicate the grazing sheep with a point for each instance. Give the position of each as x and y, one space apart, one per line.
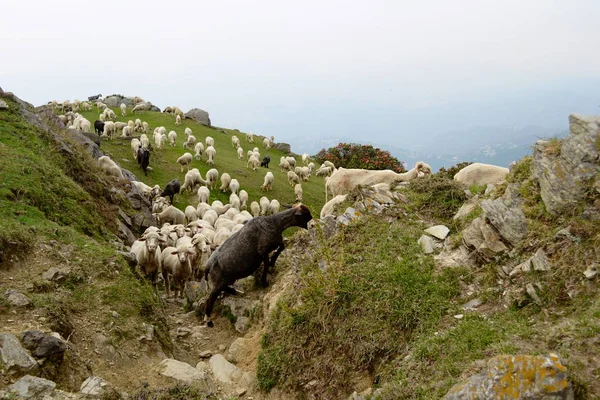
225 181
210 153
329 206
311 167
303 173
193 179
253 163
268 182
293 178
292 161
145 141
123 109
145 127
190 214
160 140
324 171
176 264
212 176
135 146
305 159
191 139
481 174
126 132
242 254
109 114
343 181
120 125
199 148
187 131
185 161
141 108
85 126
235 142
171 189
234 200
110 129
274 207
256 155
85 106
110 166
255 208
159 204
171 215
243 199
143 159
265 162
100 106
298 192
234 186
240 153
209 141
147 254
137 126
168 110
172 138
137 100
102 118
284 165
203 194
264 205
267 143
146 190
249 154
250 137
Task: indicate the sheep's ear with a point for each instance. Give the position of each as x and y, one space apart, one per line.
174 253
188 230
142 239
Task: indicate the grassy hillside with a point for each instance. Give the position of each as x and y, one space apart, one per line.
166 168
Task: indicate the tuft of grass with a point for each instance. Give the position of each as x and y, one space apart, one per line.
178 392
436 198
377 292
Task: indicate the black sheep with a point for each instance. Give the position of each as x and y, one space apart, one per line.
265 162
171 189
241 254
99 127
143 159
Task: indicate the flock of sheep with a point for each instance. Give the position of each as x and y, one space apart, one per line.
238 240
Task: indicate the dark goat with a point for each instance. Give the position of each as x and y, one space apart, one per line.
99 127
241 255
171 189
143 158
96 97
265 162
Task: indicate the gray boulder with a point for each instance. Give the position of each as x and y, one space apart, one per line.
224 371
506 216
32 387
17 299
285 147
482 237
95 387
563 172
42 345
427 244
198 115
3 105
181 371
15 359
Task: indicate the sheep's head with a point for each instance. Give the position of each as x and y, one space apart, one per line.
183 254
152 240
302 215
423 169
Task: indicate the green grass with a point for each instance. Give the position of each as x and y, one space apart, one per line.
166 168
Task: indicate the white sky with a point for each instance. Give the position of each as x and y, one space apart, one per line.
343 68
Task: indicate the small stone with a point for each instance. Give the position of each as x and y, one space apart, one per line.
222 347
206 354
591 272
427 244
459 316
202 366
114 314
13 357
531 292
438 231
473 304
32 387
240 392
53 275
17 299
94 386
183 332
540 262
3 105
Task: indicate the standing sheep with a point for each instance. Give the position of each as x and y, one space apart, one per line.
191 139
147 254
255 208
242 254
176 264
177 120
268 183
172 215
293 178
144 141
243 199
234 200
110 129
199 148
171 189
240 153
185 161
212 176
298 192
267 143
234 186
135 146
203 194
274 207
123 109
253 163
264 205
209 141
225 181
172 138
193 179
210 153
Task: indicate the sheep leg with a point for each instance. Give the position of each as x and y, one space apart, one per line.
263 279
210 303
277 253
167 285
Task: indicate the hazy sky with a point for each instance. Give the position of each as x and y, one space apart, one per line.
395 70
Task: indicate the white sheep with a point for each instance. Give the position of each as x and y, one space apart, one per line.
146 190
250 137
172 137
185 160
131 125
171 215
225 181
324 171
298 192
126 132
102 118
293 178
110 166
188 131
249 154
283 164
120 125
141 108
145 141
253 163
235 142
243 199
210 217
210 153
85 106
212 176
135 146
109 114
221 236
240 153
234 200
191 139
137 100
190 214
202 208
311 167
303 173
234 186
264 205
209 141
176 264
192 179
305 159
123 109
199 148
343 181
177 120
481 174
138 125
292 161
267 143
109 129
224 222
219 207
329 206
268 182
100 106
255 208
145 127
148 255
85 126
159 204
160 140
203 194
274 207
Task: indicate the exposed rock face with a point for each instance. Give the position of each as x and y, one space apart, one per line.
32 387
198 115
285 147
42 345
507 217
563 172
516 377
467 208
481 174
482 237
15 359
94 386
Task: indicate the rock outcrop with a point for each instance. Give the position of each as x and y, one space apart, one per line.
563 169
198 115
